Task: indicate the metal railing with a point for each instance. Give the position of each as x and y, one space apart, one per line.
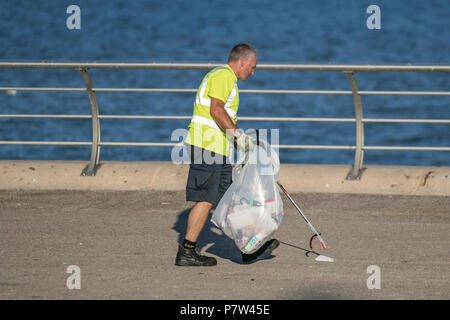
350 70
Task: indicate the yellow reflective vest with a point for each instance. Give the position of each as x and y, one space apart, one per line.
220 83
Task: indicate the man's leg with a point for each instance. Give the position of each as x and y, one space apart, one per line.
197 219
187 254
202 188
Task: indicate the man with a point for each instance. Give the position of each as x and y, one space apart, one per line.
212 132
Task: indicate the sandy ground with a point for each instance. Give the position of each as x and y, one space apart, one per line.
125 243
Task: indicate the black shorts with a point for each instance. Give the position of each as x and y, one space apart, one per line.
207 181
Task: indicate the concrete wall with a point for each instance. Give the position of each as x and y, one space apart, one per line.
65 175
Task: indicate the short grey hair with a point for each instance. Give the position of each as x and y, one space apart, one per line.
242 50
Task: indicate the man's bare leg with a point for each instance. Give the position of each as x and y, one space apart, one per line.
197 219
187 255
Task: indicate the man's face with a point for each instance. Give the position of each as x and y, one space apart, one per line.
247 67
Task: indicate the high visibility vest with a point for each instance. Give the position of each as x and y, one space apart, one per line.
220 83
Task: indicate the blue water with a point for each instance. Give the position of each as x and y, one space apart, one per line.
326 31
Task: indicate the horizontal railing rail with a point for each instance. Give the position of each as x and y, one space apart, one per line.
418 93
350 70
261 66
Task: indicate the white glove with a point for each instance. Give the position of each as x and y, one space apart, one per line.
244 142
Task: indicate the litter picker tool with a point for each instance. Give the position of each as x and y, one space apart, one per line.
316 234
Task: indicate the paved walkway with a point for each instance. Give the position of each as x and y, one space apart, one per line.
124 244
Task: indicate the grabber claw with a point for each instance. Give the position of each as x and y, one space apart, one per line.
321 241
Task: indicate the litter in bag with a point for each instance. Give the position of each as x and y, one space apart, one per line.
251 209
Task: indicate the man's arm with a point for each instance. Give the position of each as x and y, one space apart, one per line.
222 118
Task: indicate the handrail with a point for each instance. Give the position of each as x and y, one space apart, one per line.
265 91
350 70
261 66
162 117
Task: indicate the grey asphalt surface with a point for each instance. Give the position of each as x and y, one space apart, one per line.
125 245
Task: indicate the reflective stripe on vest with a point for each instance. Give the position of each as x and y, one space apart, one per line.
205 121
201 100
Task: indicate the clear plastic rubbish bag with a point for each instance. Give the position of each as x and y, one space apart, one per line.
251 209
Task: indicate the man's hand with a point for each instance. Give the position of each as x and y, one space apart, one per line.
244 142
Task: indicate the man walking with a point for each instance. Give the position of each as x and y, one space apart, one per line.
212 132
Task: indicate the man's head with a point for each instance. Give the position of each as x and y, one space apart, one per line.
243 59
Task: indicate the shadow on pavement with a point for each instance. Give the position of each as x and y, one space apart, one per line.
215 241
307 251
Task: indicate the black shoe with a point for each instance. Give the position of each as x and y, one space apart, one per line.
190 257
267 247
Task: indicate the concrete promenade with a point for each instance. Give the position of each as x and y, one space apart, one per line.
121 229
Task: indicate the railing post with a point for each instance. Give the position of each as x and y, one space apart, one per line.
357 170
94 163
